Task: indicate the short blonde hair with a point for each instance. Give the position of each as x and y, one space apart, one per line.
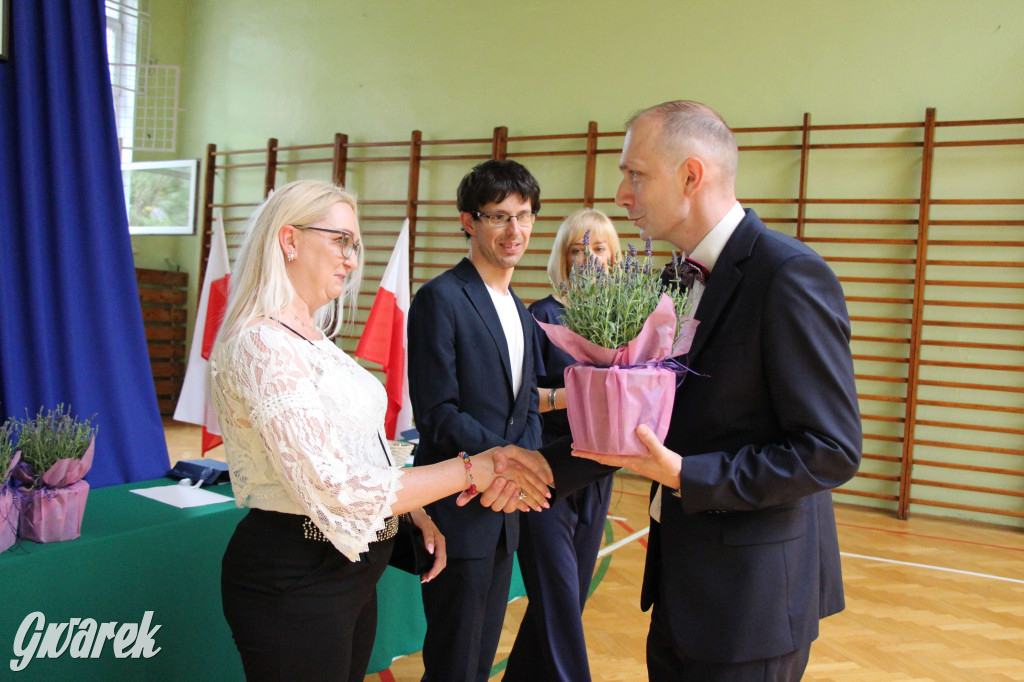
259 283
571 231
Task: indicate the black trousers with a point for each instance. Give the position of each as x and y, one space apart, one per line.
297 608
465 608
557 553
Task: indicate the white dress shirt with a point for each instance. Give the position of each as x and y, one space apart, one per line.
706 253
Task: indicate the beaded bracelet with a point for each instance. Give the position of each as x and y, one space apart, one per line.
469 470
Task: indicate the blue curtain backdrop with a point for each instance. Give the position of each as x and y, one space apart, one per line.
70 321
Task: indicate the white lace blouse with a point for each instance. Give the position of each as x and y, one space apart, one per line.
302 426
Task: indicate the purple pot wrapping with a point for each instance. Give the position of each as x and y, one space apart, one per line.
606 404
8 507
53 514
8 518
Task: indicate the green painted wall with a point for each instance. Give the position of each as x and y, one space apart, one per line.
309 68
303 70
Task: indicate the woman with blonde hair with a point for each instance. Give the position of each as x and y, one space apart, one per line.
558 548
303 428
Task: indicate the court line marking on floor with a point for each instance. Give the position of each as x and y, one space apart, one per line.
640 533
934 568
624 541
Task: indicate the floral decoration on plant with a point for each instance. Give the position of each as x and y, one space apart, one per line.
609 306
52 436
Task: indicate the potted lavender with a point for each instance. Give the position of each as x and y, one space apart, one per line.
623 325
56 452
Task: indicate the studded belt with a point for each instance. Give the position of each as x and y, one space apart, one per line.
311 532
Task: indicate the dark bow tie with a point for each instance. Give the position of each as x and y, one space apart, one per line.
686 272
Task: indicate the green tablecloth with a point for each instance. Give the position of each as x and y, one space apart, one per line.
136 555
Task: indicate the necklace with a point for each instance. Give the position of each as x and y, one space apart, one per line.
292 331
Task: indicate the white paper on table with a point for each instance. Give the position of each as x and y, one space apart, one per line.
182 496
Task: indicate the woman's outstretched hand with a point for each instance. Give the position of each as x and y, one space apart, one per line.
521 480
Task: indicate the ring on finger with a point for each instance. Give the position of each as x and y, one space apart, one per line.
522 495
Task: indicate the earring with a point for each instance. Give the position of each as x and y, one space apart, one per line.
291 256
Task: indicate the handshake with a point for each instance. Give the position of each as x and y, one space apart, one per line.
520 480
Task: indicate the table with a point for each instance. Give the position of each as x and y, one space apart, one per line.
136 555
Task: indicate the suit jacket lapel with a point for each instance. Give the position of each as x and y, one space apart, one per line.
476 292
724 279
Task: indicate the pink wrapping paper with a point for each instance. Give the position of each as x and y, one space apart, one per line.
8 519
8 508
654 343
66 471
53 514
611 391
606 404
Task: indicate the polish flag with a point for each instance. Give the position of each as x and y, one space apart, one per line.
194 403
384 335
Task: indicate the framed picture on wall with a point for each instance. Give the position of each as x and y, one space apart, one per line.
5 28
161 196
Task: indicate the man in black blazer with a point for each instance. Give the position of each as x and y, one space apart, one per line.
743 558
472 385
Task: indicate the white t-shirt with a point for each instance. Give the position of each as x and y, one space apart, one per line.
505 305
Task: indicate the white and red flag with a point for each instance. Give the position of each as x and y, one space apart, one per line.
384 335
194 403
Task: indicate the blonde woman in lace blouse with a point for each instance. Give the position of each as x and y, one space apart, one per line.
303 429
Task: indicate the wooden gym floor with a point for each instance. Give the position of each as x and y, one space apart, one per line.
926 599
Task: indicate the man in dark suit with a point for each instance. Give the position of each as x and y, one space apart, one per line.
743 558
472 385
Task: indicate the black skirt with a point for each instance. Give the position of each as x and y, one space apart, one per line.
297 608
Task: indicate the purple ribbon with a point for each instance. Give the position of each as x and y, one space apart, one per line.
22 473
671 364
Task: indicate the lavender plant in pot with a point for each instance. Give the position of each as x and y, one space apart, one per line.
56 452
623 325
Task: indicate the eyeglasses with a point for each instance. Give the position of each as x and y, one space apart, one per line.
501 219
345 241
